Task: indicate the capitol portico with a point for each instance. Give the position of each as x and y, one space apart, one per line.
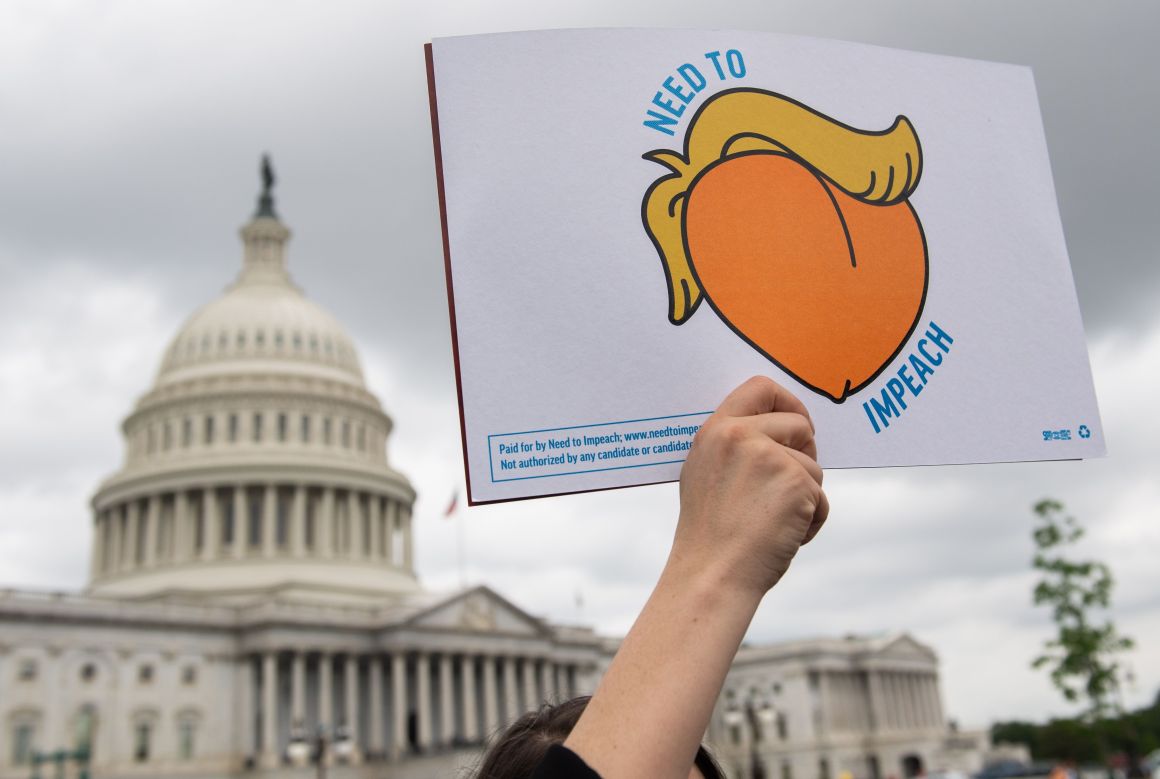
252 587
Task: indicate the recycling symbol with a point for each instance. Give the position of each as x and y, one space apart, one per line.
1085 431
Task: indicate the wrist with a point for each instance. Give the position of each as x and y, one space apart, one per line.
710 588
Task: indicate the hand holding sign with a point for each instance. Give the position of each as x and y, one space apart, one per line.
751 490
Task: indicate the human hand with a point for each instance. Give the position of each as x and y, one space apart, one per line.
751 491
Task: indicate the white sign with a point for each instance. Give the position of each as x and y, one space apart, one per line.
636 221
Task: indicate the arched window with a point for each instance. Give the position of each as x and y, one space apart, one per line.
187 727
24 729
85 730
143 726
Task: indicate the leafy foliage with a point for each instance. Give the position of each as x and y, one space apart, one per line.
1081 656
1086 742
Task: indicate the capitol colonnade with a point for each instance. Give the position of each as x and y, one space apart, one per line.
256 519
392 704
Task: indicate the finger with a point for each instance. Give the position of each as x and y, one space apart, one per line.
788 429
821 513
809 463
760 395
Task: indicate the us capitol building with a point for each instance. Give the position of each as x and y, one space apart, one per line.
253 605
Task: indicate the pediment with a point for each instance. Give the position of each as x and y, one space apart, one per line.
904 647
479 610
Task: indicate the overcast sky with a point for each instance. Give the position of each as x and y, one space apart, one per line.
129 140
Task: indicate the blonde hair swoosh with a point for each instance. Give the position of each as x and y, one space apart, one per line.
877 167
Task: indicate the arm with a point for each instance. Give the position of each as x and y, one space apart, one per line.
750 496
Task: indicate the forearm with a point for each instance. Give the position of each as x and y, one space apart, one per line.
650 711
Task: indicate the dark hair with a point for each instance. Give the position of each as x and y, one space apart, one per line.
518 750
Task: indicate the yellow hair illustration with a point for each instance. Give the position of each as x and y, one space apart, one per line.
878 168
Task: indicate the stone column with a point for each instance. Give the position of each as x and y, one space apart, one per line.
152 526
531 696
423 693
561 674
398 705
827 703
269 521
241 521
352 705
511 700
936 696
408 552
270 756
874 687
375 508
247 695
326 691
298 689
490 699
547 681
298 522
355 545
375 737
390 513
913 700
131 534
446 702
467 679
182 528
114 551
211 525
97 553
324 523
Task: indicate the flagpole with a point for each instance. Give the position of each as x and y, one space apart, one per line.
461 544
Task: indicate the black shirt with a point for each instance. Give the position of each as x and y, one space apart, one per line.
563 763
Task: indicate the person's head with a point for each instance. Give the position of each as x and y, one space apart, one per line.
519 749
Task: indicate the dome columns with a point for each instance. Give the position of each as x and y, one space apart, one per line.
245 522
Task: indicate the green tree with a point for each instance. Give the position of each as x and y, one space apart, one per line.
1082 654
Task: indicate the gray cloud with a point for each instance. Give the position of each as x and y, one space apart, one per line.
131 133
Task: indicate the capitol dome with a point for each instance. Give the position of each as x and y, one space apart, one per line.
256 464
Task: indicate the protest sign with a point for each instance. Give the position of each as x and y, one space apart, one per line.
635 221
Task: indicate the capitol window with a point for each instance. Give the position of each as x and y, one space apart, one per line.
223 342
209 429
282 427
27 670
326 431
166 436
145 674
346 433
186 432
233 428
297 341
305 429
257 426
186 736
142 740
241 340
278 340
189 675
88 672
23 741
260 339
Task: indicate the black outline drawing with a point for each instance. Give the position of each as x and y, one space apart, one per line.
653 156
